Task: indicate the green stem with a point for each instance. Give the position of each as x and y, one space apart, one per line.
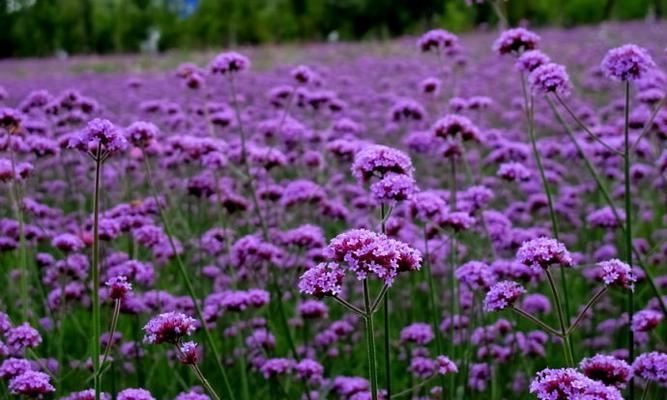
114 324
95 280
561 319
370 342
590 304
186 279
530 115
18 214
607 197
536 321
387 344
628 228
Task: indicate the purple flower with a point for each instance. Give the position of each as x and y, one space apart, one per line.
515 41
10 118
276 366
12 367
453 125
536 303
189 353
169 328
627 63
310 371
422 367
607 369
229 63
393 187
141 133
616 272
67 242
102 132
363 252
31 384
324 279
378 160
475 274
550 78
88 394
313 309
22 337
543 252
437 39
530 60
502 295
646 320
445 365
513 171
605 218
652 367
192 395
567 383
418 333
134 394
119 287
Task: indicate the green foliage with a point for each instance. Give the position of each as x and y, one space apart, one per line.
43 27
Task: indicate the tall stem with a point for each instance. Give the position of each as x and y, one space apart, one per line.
561 319
530 115
387 344
114 324
607 197
370 342
15 198
628 228
95 280
186 280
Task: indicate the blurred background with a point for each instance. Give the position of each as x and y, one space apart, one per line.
62 27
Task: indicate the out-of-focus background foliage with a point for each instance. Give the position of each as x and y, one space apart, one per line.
48 27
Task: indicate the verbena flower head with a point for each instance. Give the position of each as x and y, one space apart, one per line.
550 78
475 274
543 252
22 337
169 328
310 371
103 133
453 125
607 369
10 118
515 41
513 171
378 160
67 242
567 383
303 74
141 133
445 365
502 295
12 367
119 287
135 394
276 366
393 187
229 63
189 353
531 60
88 394
651 367
418 333
364 252
616 272
627 63
437 39
31 384
324 279
645 320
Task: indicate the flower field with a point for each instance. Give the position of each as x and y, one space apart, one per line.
481 216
